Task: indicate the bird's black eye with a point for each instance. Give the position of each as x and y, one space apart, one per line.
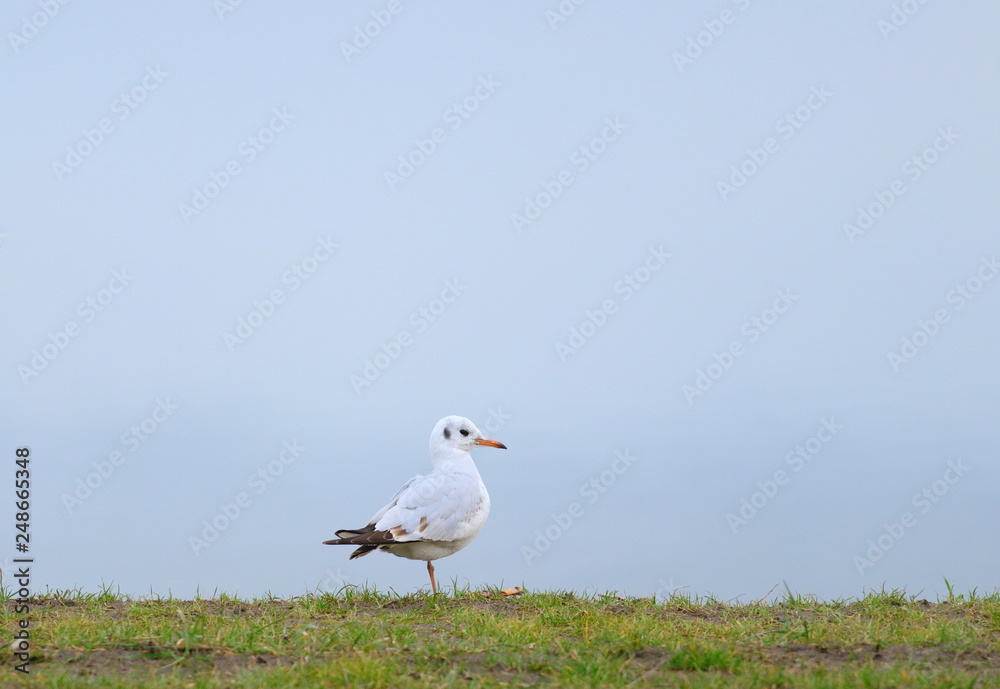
447 434
464 432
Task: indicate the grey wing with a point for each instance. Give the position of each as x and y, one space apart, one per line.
395 499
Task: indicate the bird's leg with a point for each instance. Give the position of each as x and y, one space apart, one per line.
430 570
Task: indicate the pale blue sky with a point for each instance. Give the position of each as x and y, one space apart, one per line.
590 234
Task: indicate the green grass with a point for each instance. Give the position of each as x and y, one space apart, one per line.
362 638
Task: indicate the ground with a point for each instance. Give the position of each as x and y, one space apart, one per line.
360 638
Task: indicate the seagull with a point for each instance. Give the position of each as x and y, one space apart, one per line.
436 515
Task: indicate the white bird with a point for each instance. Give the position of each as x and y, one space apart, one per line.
436 515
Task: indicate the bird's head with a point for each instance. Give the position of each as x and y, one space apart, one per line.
458 433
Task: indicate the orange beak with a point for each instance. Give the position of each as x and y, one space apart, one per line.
491 443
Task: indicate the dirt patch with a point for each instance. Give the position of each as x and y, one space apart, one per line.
649 658
154 661
397 606
505 605
476 665
688 614
977 657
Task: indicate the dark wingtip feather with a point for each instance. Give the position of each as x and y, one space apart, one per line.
367 538
351 533
363 550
